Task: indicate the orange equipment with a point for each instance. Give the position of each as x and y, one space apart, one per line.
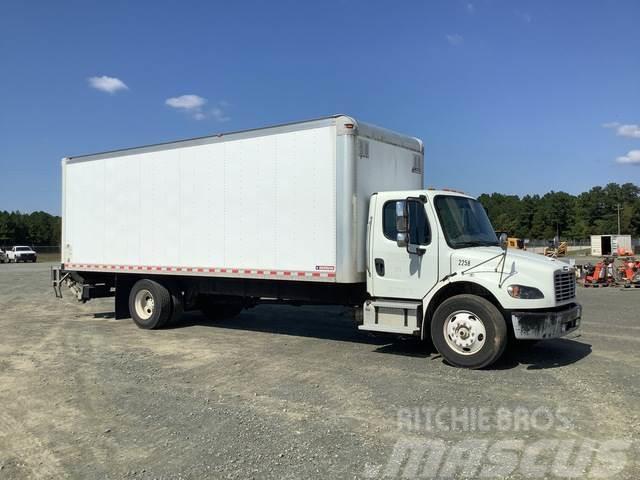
629 271
601 274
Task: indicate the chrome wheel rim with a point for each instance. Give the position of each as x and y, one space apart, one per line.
144 304
464 332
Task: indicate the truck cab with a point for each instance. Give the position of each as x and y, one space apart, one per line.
435 268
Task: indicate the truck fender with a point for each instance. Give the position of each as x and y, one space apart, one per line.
446 290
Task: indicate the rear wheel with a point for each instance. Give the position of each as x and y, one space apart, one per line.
469 331
149 304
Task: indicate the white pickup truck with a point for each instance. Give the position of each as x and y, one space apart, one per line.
21 254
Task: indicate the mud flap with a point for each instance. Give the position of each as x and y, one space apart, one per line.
123 288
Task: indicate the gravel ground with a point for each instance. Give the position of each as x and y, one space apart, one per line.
284 392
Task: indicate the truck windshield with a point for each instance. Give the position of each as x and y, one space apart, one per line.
464 222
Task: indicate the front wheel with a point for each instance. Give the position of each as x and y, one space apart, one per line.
469 331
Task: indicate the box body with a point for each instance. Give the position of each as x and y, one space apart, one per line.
283 202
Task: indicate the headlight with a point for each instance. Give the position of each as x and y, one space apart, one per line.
520 291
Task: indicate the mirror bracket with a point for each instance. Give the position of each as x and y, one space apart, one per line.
402 240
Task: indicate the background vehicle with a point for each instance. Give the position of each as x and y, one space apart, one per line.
326 211
3 256
518 243
21 254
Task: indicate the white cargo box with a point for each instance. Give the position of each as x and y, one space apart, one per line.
602 245
285 202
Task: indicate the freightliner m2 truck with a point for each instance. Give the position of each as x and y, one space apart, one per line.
326 211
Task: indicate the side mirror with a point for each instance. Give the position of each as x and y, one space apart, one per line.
503 241
402 223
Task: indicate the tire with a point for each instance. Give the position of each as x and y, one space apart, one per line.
149 304
216 309
469 331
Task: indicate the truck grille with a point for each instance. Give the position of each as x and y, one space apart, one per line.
565 285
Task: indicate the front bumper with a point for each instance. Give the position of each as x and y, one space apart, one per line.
538 325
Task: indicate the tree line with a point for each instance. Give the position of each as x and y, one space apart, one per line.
37 228
531 216
573 217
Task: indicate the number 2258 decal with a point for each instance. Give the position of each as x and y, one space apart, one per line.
464 263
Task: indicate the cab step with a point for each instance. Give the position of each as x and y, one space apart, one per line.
392 316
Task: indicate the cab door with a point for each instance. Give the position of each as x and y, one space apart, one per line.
403 272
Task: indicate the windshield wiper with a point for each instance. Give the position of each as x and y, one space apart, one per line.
477 244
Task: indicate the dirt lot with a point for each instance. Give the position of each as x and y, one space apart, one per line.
297 393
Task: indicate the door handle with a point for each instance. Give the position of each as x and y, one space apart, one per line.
379 266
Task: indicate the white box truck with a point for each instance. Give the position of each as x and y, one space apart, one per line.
326 211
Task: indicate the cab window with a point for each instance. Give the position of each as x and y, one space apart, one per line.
419 231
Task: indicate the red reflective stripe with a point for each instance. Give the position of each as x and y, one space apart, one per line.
242 271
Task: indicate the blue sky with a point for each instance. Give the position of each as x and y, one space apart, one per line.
510 96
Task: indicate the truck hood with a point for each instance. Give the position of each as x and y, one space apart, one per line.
522 268
517 261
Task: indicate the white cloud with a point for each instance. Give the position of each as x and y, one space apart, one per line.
627 130
194 106
454 39
186 102
471 8
107 84
631 131
631 158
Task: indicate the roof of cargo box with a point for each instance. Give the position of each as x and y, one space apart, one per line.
344 123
